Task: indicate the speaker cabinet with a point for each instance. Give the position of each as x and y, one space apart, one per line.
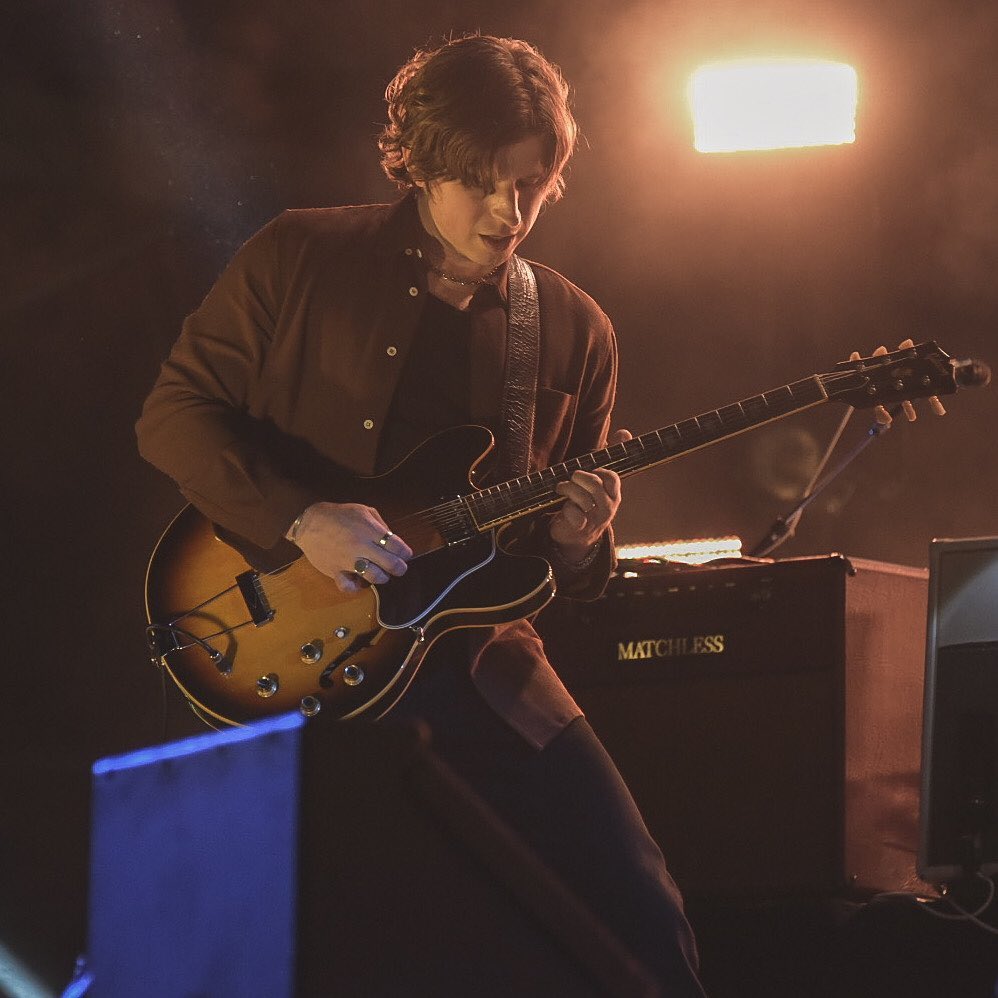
308 860
959 803
765 716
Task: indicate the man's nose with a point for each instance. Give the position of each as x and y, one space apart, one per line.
506 207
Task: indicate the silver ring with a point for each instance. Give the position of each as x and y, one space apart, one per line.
384 539
361 565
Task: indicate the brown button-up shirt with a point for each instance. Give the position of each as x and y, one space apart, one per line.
281 382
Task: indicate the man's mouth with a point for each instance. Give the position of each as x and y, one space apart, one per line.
499 242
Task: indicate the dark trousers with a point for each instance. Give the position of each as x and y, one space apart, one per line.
568 803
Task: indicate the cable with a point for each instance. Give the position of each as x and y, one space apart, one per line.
962 914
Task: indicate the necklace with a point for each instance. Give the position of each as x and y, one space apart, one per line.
462 281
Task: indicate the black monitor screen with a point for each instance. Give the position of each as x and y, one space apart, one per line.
959 804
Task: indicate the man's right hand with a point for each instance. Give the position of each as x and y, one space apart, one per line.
340 538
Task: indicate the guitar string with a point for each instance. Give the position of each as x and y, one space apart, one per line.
535 493
532 491
624 456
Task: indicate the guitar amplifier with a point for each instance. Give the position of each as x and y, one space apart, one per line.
766 716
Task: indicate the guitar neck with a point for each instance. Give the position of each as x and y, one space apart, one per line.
518 497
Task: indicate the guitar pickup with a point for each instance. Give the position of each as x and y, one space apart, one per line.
256 599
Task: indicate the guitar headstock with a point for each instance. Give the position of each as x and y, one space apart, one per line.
904 375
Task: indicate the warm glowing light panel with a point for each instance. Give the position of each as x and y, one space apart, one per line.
772 104
692 552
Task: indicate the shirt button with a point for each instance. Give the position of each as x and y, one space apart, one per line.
408 251
414 291
368 424
391 351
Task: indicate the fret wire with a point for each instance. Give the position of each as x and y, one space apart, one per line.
533 489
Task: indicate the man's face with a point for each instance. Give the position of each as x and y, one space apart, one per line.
477 230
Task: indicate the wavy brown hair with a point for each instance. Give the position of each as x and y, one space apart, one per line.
453 108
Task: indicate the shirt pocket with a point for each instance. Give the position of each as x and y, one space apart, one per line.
553 421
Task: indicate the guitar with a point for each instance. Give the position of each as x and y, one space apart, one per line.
243 642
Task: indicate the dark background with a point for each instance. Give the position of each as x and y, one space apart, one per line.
142 142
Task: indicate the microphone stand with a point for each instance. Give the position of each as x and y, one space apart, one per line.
785 525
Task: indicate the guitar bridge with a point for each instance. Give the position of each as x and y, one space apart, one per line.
162 639
255 598
165 638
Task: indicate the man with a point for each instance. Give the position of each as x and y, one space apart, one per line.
338 340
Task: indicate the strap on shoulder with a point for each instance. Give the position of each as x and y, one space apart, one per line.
522 360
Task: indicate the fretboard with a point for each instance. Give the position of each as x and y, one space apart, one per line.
507 501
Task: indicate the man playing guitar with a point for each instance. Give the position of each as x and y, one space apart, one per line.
336 342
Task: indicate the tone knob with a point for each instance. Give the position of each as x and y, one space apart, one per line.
309 706
311 651
353 675
268 685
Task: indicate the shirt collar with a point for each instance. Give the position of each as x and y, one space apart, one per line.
402 228
402 234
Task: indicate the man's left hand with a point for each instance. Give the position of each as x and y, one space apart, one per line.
591 502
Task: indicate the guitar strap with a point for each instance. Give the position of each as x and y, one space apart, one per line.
522 359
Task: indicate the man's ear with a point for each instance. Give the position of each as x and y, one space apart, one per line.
407 159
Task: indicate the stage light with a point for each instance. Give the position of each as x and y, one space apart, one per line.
772 104
16 980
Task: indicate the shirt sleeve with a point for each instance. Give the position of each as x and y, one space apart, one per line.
592 424
195 424
589 432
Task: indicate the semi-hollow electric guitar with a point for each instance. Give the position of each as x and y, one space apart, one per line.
244 641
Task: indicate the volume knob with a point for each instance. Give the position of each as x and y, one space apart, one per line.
353 675
311 651
310 706
268 685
